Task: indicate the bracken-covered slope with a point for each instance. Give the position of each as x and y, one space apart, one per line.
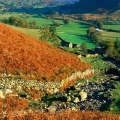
27 56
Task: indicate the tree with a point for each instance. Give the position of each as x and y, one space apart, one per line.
93 35
48 33
13 20
45 33
65 21
97 24
21 23
91 30
84 47
110 51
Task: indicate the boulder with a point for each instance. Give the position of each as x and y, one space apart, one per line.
52 109
8 91
76 100
68 98
115 78
73 109
83 95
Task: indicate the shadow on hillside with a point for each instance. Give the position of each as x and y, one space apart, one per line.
45 10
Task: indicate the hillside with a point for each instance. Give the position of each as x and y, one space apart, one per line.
23 55
32 3
95 5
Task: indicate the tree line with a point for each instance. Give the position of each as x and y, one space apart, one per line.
16 21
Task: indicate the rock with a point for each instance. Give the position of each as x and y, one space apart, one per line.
76 100
8 91
115 78
74 109
55 90
52 109
68 98
19 88
79 56
83 95
101 93
2 95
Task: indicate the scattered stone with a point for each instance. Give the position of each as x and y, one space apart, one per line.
73 108
68 98
76 100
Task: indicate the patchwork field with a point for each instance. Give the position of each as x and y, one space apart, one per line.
111 35
112 27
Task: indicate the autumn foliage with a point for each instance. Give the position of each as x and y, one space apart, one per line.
64 115
31 58
15 108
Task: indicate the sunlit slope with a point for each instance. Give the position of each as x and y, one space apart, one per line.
21 54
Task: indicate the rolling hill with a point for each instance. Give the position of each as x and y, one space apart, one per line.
24 55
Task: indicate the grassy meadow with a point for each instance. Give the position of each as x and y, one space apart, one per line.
112 27
31 32
110 35
75 33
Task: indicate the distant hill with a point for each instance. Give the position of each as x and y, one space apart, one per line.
24 55
94 5
32 3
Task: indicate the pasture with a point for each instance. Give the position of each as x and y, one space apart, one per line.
110 35
75 33
112 27
31 32
76 39
39 20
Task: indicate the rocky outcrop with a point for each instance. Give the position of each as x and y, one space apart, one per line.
19 85
76 76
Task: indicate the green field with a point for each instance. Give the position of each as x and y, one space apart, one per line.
7 15
110 35
31 32
74 28
112 27
39 21
77 39
75 33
